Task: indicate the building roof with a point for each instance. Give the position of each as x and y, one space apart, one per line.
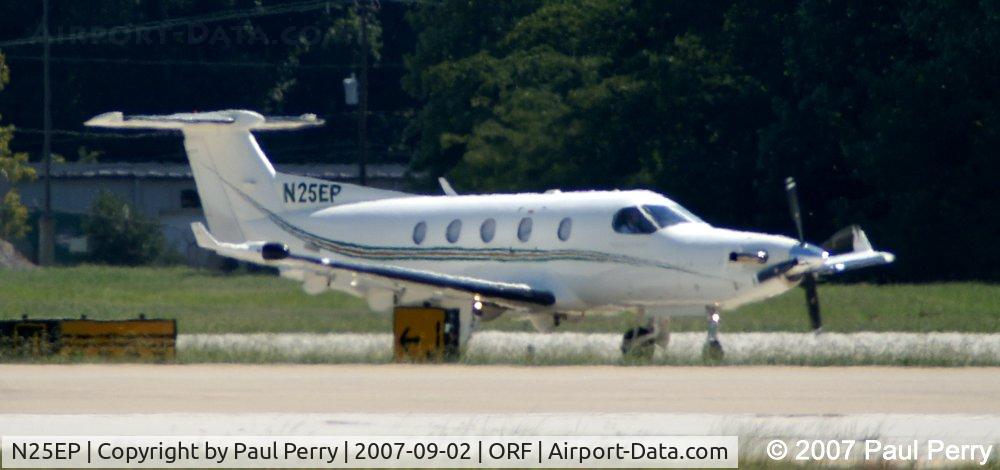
183 171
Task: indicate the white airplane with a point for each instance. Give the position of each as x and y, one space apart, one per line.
552 257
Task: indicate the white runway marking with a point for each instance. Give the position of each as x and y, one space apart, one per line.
973 428
602 348
392 388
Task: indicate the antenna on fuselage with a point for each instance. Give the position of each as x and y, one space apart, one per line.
446 187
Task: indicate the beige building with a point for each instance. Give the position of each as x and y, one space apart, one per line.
162 192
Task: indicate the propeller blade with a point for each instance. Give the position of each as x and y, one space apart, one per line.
809 280
793 205
812 301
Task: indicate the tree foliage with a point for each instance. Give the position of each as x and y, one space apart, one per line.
286 64
117 234
13 214
886 112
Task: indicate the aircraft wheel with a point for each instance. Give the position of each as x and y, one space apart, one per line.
713 351
639 343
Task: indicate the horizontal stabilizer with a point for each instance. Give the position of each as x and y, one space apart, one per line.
241 251
235 119
203 237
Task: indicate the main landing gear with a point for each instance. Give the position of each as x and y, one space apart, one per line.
640 342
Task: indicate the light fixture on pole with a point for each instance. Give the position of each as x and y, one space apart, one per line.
351 91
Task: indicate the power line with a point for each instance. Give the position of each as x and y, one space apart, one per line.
296 7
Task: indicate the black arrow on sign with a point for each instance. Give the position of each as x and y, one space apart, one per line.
405 340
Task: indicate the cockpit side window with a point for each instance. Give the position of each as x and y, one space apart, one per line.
632 220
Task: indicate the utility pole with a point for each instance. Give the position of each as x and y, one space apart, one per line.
46 225
363 107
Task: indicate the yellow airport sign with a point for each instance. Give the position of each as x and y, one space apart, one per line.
424 334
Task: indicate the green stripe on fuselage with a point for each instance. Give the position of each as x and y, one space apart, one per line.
382 253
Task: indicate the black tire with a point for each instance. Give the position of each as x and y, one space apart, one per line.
713 351
639 344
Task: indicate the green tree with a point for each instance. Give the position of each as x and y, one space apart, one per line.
117 234
591 94
885 112
929 136
340 28
455 41
14 169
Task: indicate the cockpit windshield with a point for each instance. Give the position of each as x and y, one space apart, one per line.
650 218
666 216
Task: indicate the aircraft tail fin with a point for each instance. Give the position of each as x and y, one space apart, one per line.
238 187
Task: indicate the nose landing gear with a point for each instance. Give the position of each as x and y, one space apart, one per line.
712 352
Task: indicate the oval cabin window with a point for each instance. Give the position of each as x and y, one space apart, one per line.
419 232
454 230
565 227
524 229
488 229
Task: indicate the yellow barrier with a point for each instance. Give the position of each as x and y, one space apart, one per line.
139 339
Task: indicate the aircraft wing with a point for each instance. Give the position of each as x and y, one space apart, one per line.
851 261
861 255
830 265
278 255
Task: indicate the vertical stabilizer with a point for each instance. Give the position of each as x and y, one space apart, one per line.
238 187
228 166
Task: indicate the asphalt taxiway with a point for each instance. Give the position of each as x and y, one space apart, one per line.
227 388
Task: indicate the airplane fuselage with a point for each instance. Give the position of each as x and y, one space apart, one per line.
578 245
